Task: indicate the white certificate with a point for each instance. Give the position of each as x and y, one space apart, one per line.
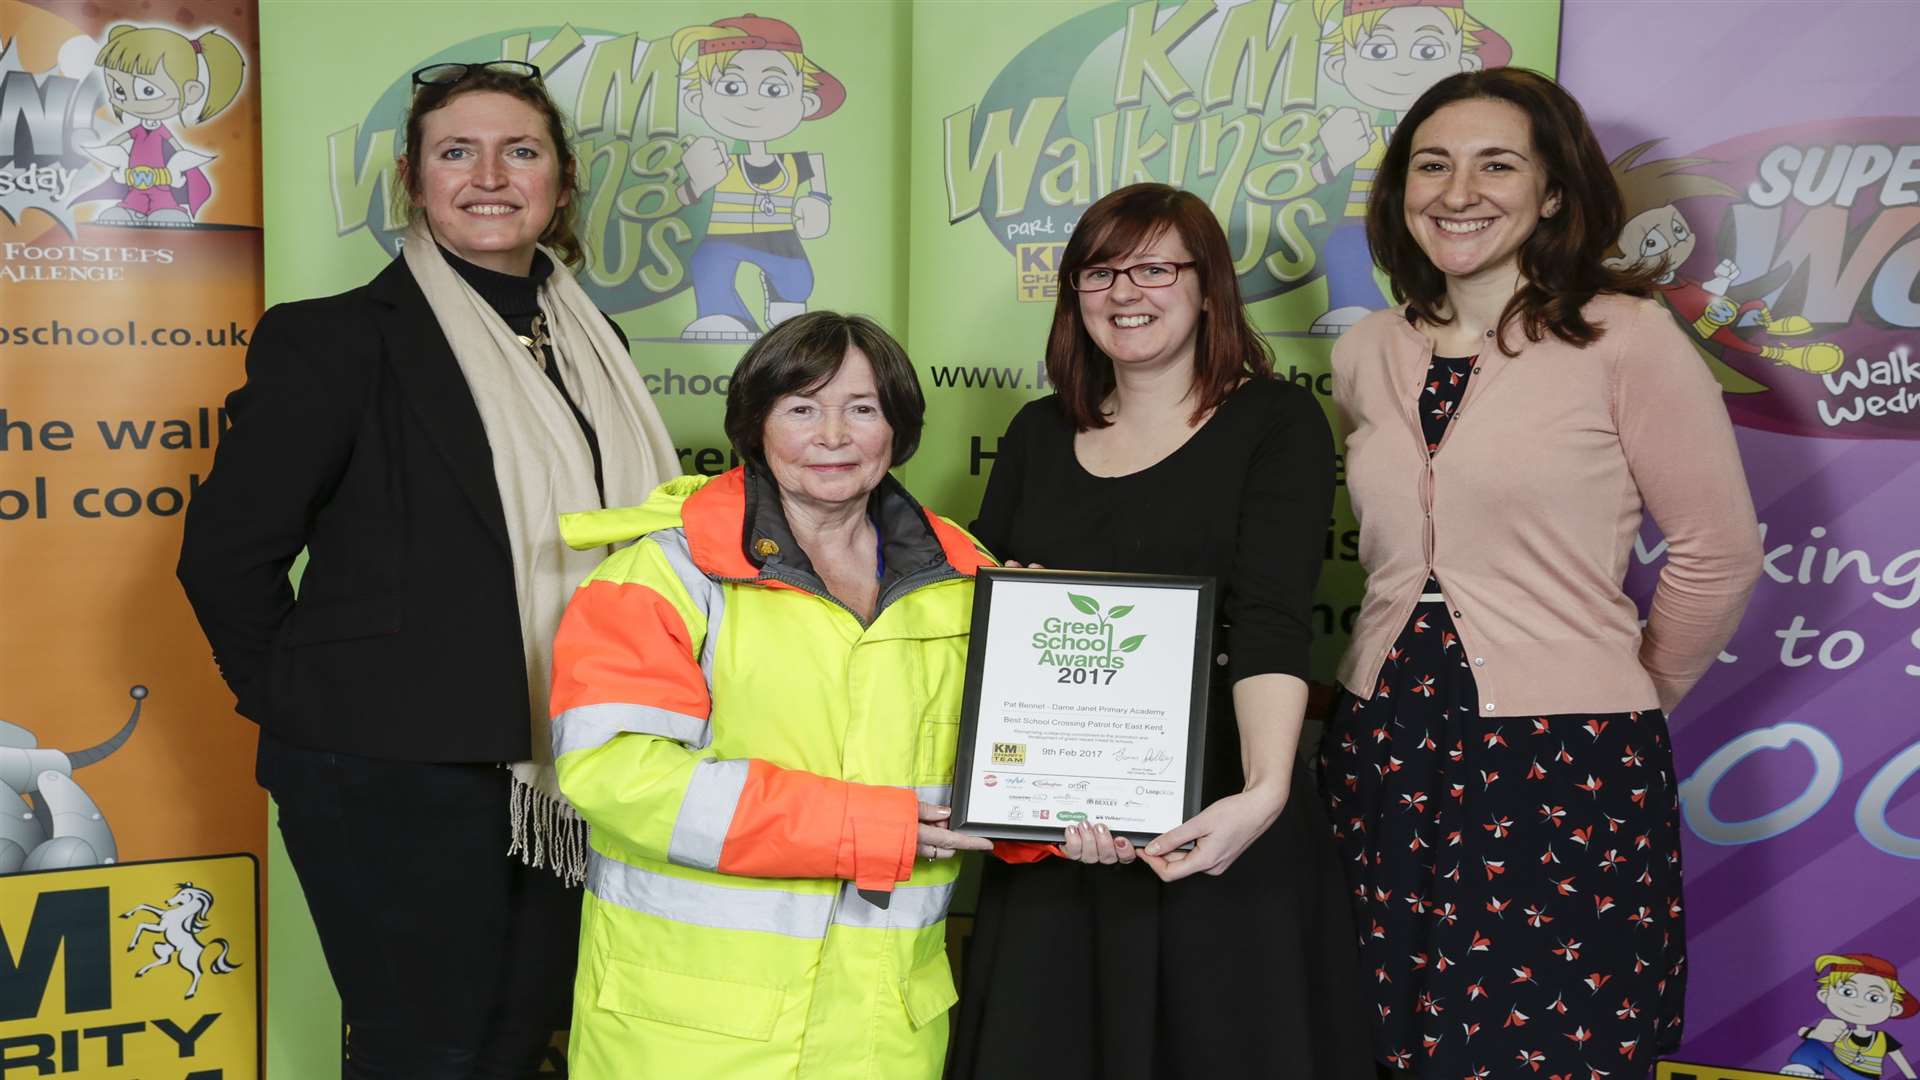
1085 701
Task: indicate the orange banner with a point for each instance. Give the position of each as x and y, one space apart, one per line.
129 283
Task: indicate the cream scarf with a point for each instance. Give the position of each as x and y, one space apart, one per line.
543 467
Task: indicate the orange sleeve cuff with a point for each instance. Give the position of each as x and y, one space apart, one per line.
878 836
1024 851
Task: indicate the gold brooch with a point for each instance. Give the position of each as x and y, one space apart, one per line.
537 341
765 548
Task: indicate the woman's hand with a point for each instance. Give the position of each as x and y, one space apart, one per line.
1218 834
937 842
1091 843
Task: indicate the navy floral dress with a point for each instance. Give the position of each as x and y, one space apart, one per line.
1515 880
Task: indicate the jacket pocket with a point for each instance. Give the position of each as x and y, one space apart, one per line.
723 1006
933 760
928 991
312 622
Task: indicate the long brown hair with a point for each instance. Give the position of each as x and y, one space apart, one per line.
560 233
1561 262
1226 346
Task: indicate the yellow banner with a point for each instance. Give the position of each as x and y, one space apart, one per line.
1681 1070
147 970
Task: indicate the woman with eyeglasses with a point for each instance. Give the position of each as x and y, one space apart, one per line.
1169 447
419 437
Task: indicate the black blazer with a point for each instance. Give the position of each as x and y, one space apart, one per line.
356 438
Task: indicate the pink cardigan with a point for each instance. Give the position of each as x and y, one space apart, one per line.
1528 513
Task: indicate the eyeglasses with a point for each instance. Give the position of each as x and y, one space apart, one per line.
450 73
806 415
1152 275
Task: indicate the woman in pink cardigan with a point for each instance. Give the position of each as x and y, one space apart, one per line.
1498 768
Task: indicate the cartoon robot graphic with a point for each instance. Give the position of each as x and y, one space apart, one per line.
54 822
1385 54
749 79
1656 232
179 927
153 74
1861 992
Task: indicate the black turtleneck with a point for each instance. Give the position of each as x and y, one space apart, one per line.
516 300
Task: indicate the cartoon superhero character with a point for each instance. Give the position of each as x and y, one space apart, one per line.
1385 53
152 73
1861 992
750 80
1657 232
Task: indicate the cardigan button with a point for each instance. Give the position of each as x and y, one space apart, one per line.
1479 661
1221 660
1456 614
1489 706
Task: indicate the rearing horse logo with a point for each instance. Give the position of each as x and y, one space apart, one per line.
181 923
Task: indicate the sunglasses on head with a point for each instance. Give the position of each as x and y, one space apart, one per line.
450 73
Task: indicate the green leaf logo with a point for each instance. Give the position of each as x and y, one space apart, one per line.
1086 604
1070 815
1132 643
1120 612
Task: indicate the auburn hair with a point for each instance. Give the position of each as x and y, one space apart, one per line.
1226 347
1561 261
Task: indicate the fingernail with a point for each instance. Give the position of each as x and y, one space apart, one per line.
942 811
1153 849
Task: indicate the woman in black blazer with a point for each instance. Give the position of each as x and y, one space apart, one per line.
418 436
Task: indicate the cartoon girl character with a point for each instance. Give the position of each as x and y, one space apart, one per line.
750 80
153 74
1861 992
1385 53
1656 232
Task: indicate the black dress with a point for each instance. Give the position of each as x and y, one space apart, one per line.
1517 881
1102 972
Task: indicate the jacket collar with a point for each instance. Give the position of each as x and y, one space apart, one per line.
736 528
435 390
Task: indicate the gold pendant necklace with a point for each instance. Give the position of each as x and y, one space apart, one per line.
538 340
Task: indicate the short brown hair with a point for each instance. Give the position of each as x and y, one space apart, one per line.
560 234
1561 260
804 353
1227 347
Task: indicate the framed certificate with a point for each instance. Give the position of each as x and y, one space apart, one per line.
1086 700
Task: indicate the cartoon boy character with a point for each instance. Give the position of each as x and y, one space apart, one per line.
750 80
1657 232
1861 991
1385 53
152 74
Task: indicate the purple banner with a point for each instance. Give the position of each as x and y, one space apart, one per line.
1756 146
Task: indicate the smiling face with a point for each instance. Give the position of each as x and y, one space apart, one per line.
829 446
489 179
1475 189
1146 328
154 96
1659 236
757 96
1409 50
1863 1000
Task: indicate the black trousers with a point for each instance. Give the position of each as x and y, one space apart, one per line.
453 960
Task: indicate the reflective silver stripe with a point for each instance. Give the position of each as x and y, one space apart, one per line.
751 219
936 795
701 903
912 907
587 726
706 593
750 200
700 829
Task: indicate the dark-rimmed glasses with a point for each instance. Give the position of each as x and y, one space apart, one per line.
1147 275
449 73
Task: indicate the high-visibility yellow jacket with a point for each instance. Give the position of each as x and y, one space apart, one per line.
750 758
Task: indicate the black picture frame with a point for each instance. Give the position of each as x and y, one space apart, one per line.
965 757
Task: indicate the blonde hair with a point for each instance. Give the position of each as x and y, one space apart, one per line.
699 70
1349 29
1830 979
142 50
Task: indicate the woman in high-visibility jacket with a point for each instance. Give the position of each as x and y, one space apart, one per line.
756 708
